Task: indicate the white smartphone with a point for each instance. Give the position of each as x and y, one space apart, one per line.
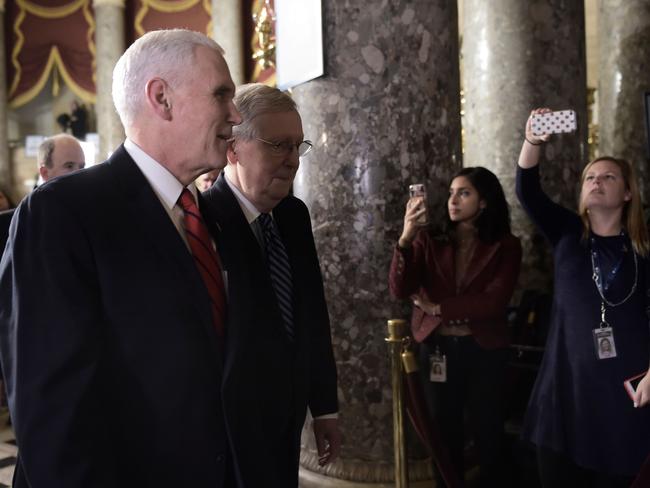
554 122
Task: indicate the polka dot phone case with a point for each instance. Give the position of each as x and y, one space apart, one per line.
554 122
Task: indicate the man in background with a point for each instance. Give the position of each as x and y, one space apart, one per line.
59 155
206 180
279 350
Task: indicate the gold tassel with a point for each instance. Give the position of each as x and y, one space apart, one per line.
409 362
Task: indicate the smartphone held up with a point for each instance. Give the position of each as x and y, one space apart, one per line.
561 121
419 190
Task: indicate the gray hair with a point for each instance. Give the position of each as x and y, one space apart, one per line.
168 54
254 99
46 149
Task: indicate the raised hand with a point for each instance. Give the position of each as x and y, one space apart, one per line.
416 208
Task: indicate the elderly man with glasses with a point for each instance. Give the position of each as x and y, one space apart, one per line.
279 359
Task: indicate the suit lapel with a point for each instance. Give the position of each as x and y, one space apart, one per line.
482 256
444 259
222 210
153 224
239 246
250 293
446 262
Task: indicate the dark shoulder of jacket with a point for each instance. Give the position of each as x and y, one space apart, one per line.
77 189
510 239
292 204
214 199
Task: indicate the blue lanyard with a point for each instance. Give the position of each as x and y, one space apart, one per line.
596 276
603 285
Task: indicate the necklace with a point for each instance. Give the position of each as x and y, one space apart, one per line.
596 277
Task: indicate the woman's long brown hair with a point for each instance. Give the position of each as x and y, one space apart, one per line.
632 219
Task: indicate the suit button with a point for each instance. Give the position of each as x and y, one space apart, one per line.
220 458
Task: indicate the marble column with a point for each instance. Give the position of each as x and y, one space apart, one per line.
516 56
624 76
385 115
5 164
228 31
109 38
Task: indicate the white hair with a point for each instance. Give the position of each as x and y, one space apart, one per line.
167 54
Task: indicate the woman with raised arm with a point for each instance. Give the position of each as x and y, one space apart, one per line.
460 283
587 430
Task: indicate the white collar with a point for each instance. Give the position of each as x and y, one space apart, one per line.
164 184
250 211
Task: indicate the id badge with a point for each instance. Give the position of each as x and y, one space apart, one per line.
438 368
604 343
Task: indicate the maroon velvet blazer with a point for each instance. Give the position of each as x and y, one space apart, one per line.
427 268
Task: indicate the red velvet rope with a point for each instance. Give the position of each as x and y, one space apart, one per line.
427 429
643 478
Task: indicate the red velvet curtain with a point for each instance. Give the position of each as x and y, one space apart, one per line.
147 15
50 38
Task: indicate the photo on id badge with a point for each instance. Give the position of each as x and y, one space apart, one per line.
438 368
604 343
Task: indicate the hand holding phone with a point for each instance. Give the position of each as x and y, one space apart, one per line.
631 384
419 190
554 122
415 216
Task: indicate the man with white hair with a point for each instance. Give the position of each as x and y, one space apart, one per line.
112 297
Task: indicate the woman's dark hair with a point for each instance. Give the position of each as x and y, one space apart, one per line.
9 201
494 220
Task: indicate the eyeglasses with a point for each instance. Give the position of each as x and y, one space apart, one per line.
284 147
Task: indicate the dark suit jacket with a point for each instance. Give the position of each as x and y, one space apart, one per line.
5 220
268 379
113 366
427 267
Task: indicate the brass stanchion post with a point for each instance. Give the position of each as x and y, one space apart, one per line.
396 334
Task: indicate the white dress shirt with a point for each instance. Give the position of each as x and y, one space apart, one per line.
164 184
250 212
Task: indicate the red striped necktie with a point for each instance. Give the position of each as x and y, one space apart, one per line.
205 257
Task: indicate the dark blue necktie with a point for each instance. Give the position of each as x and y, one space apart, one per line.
279 270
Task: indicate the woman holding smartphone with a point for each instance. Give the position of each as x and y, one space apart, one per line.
587 430
460 283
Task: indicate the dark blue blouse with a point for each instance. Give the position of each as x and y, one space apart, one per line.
578 406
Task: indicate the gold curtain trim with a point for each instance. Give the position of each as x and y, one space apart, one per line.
51 12
20 40
160 6
207 6
169 7
54 61
54 58
90 35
